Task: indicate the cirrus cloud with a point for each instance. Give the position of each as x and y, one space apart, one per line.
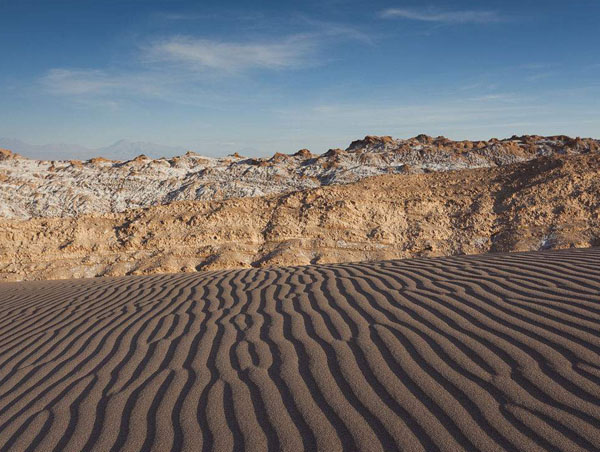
451 17
203 54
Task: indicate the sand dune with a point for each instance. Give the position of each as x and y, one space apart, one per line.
491 352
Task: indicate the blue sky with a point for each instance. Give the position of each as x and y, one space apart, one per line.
260 77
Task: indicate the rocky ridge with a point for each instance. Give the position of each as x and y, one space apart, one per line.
36 188
545 203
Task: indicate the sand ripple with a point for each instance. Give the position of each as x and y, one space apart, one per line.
496 352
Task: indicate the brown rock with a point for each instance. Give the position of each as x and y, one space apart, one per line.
6 154
370 140
304 153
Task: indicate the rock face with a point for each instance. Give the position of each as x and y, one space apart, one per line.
549 202
33 188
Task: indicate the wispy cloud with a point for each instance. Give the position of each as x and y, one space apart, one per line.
178 69
111 88
202 54
450 17
497 97
190 70
327 30
182 16
82 82
78 82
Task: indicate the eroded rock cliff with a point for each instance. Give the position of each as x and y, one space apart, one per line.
549 202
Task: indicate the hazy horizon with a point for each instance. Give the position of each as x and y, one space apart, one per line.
125 149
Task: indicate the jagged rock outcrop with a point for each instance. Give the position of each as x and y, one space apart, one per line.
6 154
32 188
549 202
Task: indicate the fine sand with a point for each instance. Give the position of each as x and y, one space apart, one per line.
494 352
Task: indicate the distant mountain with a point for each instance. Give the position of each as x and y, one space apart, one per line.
120 150
124 149
55 151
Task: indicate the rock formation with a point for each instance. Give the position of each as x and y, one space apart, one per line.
33 188
548 202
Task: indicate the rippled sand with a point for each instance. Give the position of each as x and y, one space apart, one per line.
494 352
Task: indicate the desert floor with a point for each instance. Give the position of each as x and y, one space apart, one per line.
489 352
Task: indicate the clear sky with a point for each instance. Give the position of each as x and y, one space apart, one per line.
224 76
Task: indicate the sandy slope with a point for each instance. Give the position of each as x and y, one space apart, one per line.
495 352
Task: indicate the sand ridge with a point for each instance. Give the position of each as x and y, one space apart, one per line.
489 352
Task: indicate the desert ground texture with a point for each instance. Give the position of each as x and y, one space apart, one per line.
493 352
